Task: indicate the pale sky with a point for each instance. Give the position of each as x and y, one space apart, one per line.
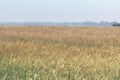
59 10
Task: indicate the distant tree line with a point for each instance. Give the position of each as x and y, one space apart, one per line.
115 24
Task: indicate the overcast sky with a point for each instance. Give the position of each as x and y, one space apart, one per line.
59 10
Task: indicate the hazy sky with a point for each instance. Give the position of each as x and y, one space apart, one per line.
59 10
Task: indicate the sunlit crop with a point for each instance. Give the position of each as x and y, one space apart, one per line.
59 53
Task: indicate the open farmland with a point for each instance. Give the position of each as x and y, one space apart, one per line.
59 53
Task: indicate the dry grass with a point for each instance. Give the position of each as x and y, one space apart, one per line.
59 53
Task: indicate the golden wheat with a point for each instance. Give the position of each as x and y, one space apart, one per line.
59 53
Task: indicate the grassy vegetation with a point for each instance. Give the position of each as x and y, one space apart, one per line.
59 53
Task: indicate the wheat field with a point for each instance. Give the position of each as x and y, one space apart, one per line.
59 53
